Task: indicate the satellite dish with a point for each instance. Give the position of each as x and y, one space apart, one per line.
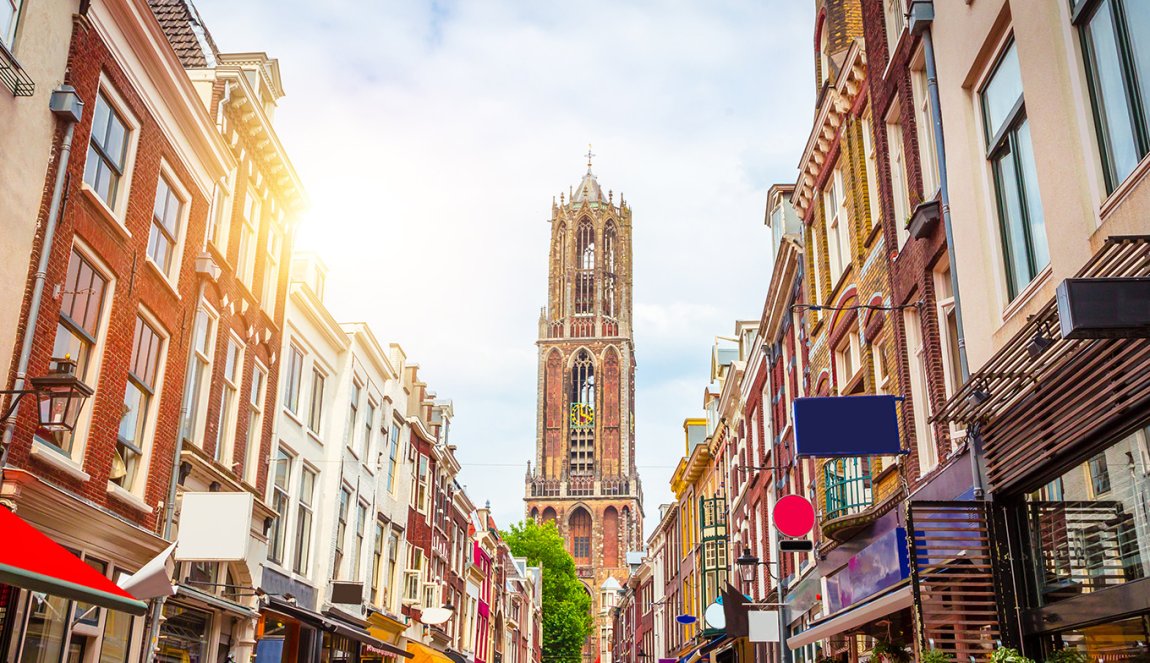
686 619
433 616
714 616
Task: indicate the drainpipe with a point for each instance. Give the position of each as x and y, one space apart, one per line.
66 105
921 20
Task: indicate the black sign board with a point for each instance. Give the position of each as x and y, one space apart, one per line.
796 545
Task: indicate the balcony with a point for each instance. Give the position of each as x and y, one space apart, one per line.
849 497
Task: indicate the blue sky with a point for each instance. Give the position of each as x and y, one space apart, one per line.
432 136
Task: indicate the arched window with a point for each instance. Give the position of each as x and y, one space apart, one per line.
585 279
561 261
549 515
628 529
609 241
611 542
582 441
580 526
535 515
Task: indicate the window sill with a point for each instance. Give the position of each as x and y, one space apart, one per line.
314 436
164 278
1123 190
1020 302
109 215
293 417
127 498
50 455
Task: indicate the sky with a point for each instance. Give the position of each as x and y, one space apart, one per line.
432 135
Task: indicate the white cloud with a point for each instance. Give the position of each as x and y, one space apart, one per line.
432 137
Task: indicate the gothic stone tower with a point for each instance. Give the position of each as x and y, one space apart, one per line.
584 477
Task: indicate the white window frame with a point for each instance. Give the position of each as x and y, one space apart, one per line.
301 540
273 252
249 236
848 359
134 485
119 207
195 425
8 35
291 400
916 353
894 14
899 182
351 432
223 203
838 226
282 494
228 418
315 409
255 429
172 273
870 154
924 127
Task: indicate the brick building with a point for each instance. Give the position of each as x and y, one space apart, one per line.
584 476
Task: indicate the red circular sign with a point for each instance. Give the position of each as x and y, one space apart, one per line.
794 515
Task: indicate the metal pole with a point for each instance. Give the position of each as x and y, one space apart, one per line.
784 651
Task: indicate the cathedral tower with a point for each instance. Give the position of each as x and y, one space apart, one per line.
583 477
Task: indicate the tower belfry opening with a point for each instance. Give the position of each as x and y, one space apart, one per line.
583 477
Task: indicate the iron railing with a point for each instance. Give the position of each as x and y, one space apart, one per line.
848 486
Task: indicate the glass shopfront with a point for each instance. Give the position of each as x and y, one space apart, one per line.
339 649
1122 640
1090 527
184 634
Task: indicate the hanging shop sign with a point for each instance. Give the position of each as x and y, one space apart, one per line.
830 426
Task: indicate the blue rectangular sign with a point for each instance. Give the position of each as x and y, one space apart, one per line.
846 426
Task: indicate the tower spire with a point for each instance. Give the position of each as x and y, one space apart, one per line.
590 155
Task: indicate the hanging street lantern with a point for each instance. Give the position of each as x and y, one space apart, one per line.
62 396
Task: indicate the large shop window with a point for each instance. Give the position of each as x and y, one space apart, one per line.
1116 49
1011 157
1090 527
184 634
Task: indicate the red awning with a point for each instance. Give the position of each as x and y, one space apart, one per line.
30 560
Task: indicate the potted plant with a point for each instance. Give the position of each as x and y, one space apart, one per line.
890 651
1067 656
1009 655
936 656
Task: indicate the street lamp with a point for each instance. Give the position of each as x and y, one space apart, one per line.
747 563
61 394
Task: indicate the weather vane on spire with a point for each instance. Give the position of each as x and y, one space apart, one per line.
590 156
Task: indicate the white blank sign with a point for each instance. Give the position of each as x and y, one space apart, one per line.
214 527
763 625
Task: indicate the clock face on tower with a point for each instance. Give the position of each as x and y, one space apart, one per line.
583 477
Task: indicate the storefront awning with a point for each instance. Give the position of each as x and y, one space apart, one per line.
354 632
289 609
854 617
31 560
424 654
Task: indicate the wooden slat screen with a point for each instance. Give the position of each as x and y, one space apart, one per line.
952 564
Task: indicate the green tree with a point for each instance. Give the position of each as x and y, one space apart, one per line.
566 605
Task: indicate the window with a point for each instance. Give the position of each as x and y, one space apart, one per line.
9 14
340 531
315 412
413 576
107 150
1116 45
229 401
303 556
585 276
392 458
920 400
847 360
814 264
368 430
219 213
948 328
78 331
271 270
881 374
392 561
581 536
609 242
167 216
1011 156
199 378
1099 474
360 526
421 492
294 378
824 55
376 562
138 395
581 459
246 255
281 482
352 416
900 190
838 233
871 155
254 435
895 23
924 128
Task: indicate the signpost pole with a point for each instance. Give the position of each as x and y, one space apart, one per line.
784 651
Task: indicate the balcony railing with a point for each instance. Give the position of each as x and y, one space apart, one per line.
848 488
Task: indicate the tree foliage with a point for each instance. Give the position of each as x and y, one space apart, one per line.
566 605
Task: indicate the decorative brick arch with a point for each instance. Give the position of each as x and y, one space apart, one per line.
611 541
609 397
554 402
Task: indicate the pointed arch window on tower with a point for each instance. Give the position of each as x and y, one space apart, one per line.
580 524
585 278
561 260
582 441
609 241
